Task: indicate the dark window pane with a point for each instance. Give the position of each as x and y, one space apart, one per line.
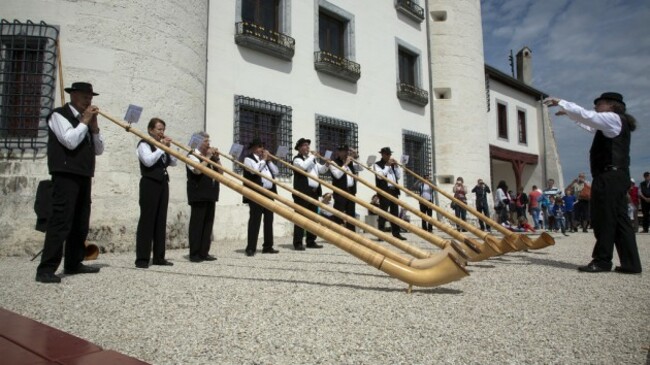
407 64
521 122
330 37
261 12
502 120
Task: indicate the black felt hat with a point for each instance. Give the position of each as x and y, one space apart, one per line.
610 96
255 142
301 141
386 150
81 86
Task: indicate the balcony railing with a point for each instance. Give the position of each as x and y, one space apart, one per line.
337 66
410 9
412 94
256 37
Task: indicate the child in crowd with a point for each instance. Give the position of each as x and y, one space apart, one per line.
523 225
569 199
327 200
558 214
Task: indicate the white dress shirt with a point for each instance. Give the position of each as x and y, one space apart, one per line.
390 173
337 173
266 168
149 158
71 137
607 122
312 167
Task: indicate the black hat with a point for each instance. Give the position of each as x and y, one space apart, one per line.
80 86
255 142
301 141
343 147
610 96
386 150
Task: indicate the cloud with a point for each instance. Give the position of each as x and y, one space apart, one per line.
580 49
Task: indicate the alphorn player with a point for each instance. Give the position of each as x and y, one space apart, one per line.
260 160
308 186
74 141
202 195
154 197
609 159
345 182
388 168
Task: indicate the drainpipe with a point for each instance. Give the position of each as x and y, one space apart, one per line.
431 97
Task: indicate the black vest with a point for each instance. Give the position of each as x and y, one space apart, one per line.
257 179
606 152
79 161
157 171
383 183
342 183
201 188
301 183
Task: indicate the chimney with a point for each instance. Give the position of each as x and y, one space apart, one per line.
525 66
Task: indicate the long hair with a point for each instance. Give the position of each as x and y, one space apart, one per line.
502 185
620 109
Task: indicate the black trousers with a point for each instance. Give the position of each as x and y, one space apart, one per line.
255 214
68 223
428 211
298 232
200 231
581 213
645 208
483 208
611 224
388 206
152 226
344 206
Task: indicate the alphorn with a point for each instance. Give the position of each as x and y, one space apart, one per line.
433 239
483 251
419 254
445 268
542 241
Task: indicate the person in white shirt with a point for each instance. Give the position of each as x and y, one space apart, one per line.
388 168
260 160
306 162
343 168
426 192
609 159
74 141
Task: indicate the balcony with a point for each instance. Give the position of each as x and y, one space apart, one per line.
263 40
412 94
410 9
337 66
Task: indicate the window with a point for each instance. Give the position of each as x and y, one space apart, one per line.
407 66
502 121
418 147
330 35
521 124
262 12
331 133
265 120
27 65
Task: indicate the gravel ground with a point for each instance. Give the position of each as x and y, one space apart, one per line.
327 307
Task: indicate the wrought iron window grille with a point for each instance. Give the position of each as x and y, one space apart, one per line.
411 9
259 38
334 65
28 61
418 147
412 94
267 121
332 133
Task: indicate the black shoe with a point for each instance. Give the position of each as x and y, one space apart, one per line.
565 234
142 265
592 267
269 250
250 253
195 259
47 278
299 247
314 245
399 236
209 258
162 262
645 231
623 270
584 230
81 269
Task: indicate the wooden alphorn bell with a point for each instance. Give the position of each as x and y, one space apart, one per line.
445 269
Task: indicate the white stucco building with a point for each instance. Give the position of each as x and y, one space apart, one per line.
404 74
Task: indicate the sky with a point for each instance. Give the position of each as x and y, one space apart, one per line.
580 49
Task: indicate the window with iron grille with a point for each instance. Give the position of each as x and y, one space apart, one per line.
332 133
418 147
267 121
521 123
28 60
502 121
